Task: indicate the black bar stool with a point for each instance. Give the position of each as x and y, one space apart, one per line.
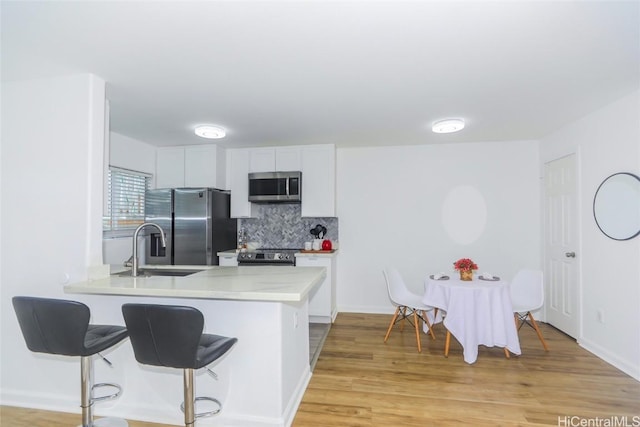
56 326
171 336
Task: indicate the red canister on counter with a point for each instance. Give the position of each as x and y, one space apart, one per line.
326 245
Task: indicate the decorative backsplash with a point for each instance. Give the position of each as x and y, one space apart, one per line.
281 226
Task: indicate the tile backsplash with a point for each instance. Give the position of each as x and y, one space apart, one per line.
281 226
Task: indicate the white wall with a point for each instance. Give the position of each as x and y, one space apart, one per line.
390 203
127 153
607 141
51 228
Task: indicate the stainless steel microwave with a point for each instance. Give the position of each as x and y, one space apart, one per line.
275 187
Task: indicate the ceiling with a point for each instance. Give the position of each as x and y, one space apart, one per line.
352 73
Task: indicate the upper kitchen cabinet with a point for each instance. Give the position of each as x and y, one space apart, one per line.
204 166
318 166
275 159
190 166
238 180
262 159
319 180
288 159
170 167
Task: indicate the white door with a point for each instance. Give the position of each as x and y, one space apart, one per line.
561 242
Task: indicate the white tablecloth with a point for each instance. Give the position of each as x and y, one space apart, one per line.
477 313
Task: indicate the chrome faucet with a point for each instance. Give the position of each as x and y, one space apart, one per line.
134 257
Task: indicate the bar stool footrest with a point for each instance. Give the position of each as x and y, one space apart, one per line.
108 396
206 413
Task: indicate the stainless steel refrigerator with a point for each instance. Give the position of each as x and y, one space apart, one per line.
196 222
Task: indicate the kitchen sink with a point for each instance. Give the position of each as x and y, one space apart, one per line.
149 272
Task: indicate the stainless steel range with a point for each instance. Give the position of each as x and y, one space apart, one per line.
268 256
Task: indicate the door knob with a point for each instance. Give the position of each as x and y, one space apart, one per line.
570 254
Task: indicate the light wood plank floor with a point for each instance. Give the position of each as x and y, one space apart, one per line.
360 381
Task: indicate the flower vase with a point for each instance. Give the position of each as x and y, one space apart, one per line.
466 275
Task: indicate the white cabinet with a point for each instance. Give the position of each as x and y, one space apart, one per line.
262 160
322 299
238 180
318 166
228 259
170 167
190 166
319 180
288 159
203 166
272 159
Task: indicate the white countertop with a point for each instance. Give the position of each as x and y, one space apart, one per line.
325 254
321 254
251 283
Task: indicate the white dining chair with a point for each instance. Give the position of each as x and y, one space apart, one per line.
408 305
527 295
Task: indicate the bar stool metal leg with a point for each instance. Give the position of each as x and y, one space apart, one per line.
87 399
189 396
188 406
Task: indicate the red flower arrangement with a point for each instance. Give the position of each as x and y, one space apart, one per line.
465 264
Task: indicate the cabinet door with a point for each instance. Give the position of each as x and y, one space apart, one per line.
262 160
288 159
170 167
228 260
320 298
318 181
200 166
238 180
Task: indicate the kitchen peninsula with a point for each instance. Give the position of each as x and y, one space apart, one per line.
262 379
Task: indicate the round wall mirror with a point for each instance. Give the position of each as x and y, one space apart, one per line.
616 206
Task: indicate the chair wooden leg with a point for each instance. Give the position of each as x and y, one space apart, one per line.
393 321
515 318
447 341
404 316
416 324
506 353
535 326
426 320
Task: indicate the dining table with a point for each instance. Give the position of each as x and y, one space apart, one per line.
476 312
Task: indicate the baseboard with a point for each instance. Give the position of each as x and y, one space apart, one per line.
150 413
601 352
368 309
292 407
43 401
319 319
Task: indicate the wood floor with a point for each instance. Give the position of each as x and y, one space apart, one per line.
360 381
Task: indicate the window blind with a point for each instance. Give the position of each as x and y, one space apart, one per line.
125 200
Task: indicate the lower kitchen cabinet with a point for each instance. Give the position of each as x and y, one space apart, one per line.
322 300
228 259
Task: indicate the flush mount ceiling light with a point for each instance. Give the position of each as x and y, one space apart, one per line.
210 132
448 126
